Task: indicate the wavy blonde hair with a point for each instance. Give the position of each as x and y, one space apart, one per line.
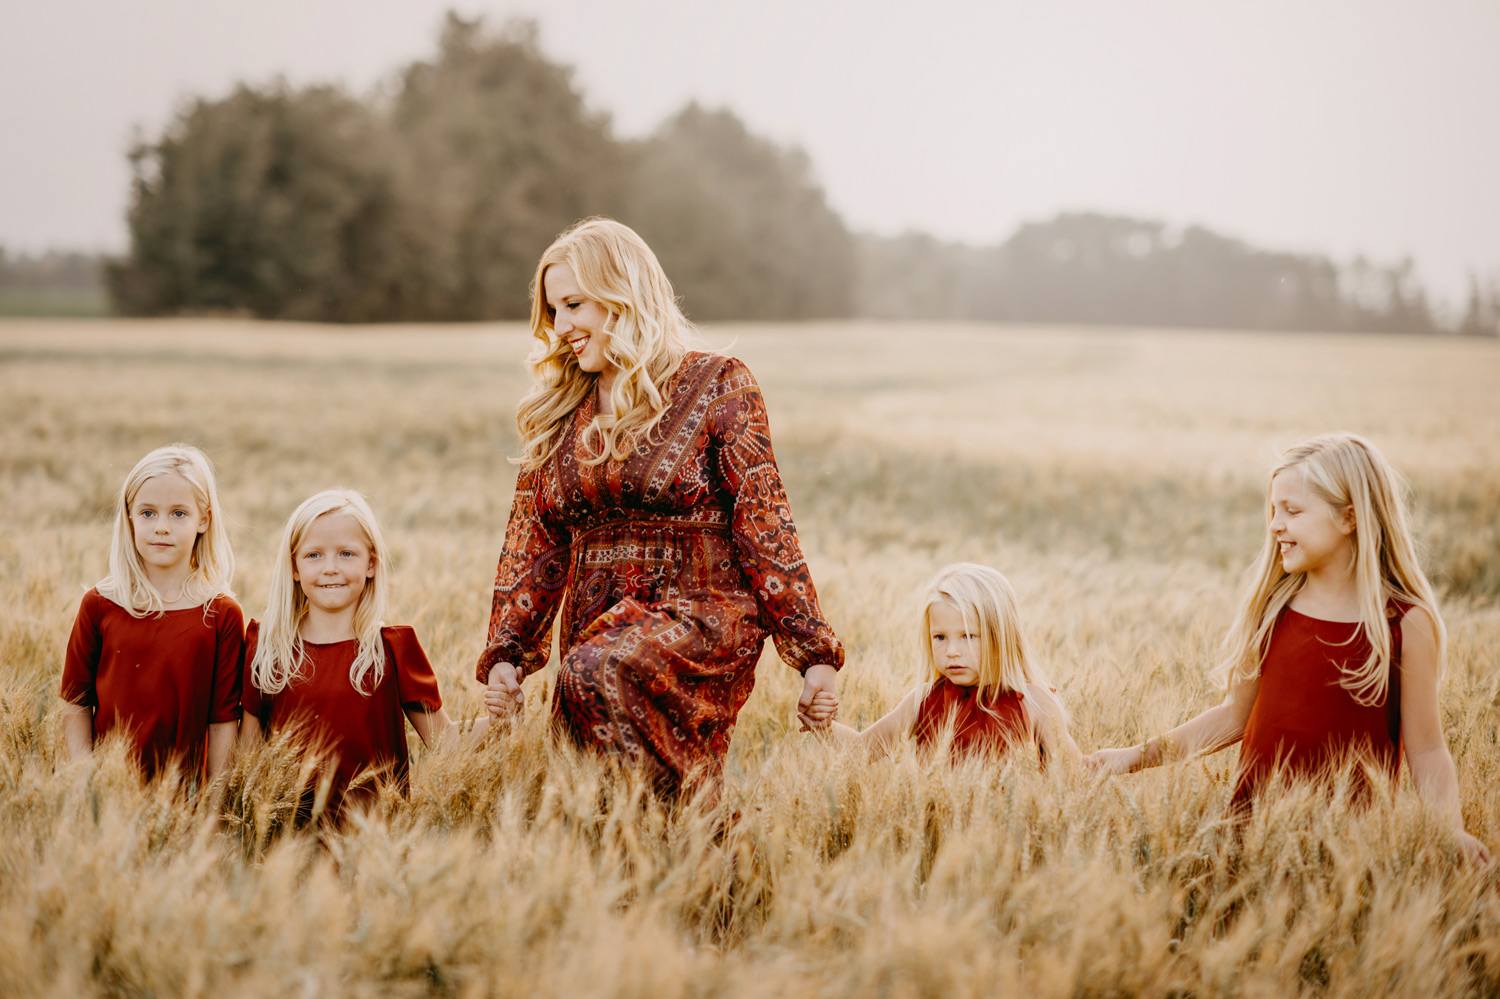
211 561
280 655
989 607
1346 472
648 337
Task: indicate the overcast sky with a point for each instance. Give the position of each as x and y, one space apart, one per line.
1361 126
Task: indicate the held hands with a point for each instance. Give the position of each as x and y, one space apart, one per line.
503 695
819 703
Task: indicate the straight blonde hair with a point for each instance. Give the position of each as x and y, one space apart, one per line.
1345 471
211 561
648 337
990 609
280 655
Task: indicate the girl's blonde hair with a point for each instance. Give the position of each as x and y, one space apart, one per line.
211 560
280 655
990 610
1346 472
648 336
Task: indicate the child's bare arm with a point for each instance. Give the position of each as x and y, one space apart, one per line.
1213 730
221 739
1427 753
250 732
1051 724
879 737
434 728
78 730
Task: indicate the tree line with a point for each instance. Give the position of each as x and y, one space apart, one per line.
432 200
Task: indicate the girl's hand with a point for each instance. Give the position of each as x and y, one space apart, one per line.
1477 853
1108 762
823 709
503 694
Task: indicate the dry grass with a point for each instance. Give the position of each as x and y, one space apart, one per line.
1115 476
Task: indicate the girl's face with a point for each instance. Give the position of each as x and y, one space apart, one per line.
579 320
333 563
1313 536
955 648
166 520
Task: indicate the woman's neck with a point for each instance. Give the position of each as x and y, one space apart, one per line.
323 628
602 386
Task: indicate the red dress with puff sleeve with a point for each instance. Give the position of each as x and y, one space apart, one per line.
1303 721
677 563
162 679
361 731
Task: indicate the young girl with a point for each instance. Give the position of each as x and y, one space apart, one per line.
1338 646
983 685
156 646
322 656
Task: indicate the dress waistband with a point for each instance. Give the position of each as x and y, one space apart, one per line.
707 522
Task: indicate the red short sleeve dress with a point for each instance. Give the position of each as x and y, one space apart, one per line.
161 679
360 731
1304 721
981 725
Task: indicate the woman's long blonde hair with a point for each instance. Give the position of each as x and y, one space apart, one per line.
990 609
648 336
211 561
280 655
1346 472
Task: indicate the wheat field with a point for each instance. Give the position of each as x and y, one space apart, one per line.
1116 476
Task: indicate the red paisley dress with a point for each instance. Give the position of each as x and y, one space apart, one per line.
677 563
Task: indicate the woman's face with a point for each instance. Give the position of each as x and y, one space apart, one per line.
579 320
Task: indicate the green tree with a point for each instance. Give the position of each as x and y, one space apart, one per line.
275 202
738 222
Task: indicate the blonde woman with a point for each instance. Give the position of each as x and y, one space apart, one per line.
156 645
649 497
322 654
984 693
1337 648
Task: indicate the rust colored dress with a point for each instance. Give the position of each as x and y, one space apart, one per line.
975 730
677 564
1303 721
163 679
362 732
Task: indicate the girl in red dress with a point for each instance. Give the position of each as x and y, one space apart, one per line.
322 657
1338 647
984 692
156 646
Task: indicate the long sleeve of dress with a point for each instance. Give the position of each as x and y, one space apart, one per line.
761 522
529 585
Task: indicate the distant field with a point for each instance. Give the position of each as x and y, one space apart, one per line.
1116 476
67 304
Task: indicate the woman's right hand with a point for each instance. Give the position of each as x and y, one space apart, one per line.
1108 762
503 694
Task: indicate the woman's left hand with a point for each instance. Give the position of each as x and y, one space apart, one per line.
819 679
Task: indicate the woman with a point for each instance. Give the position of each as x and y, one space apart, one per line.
649 493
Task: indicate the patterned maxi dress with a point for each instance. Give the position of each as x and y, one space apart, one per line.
677 563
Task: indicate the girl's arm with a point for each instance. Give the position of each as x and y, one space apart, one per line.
1213 730
78 730
250 734
1432 767
221 738
1051 724
436 729
879 737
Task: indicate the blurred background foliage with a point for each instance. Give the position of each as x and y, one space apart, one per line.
433 198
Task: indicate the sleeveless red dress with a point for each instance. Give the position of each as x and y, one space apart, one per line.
975 730
1303 721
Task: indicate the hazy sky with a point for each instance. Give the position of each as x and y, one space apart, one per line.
1340 127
